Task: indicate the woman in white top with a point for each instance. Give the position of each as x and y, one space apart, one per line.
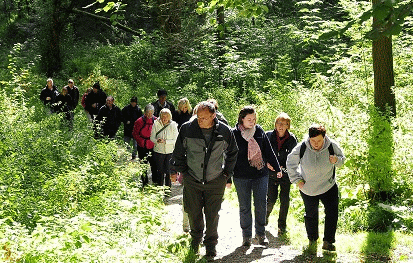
163 135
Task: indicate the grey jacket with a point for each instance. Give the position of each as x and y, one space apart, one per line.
314 168
193 157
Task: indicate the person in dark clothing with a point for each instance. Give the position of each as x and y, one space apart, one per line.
83 103
251 174
109 119
48 95
282 142
220 116
162 103
142 134
64 104
183 113
130 114
95 100
73 92
205 153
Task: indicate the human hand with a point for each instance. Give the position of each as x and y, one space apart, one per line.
333 159
228 185
301 184
279 175
48 98
270 167
173 177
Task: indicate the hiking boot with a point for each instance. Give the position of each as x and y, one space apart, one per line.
311 249
246 242
328 246
211 253
194 246
262 240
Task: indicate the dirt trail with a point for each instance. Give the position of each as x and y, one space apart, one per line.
229 247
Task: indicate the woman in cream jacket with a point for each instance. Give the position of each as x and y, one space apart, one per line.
163 135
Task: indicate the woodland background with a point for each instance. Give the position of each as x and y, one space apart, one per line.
67 197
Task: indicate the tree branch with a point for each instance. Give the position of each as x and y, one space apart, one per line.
118 25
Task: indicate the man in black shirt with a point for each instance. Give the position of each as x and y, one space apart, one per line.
162 103
130 114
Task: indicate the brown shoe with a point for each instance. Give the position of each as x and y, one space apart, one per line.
246 242
328 246
262 240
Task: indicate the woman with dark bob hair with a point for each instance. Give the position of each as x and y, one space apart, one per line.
251 174
312 166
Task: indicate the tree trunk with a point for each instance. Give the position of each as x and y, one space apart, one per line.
220 45
384 97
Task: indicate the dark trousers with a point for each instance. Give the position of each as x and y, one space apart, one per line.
330 201
162 169
200 199
284 186
127 140
148 154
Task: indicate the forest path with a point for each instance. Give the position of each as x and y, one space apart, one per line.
229 247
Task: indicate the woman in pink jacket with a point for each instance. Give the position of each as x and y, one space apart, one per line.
142 134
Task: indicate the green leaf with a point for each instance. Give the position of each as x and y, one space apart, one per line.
200 4
258 12
78 244
86 238
381 12
109 6
395 30
100 1
328 35
365 16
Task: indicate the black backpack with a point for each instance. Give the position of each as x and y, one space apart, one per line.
303 147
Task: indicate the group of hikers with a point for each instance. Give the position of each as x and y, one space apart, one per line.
198 148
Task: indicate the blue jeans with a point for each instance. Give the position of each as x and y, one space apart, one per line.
258 188
127 140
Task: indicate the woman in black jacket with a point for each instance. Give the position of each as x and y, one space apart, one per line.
282 142
251 173
183 113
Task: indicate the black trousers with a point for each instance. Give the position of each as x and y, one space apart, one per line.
279 187
330 201
200 199
148 154
162 169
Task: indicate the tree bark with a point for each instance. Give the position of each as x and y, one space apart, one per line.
384 97
220 45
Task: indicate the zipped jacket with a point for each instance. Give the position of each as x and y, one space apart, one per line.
142 132
193 157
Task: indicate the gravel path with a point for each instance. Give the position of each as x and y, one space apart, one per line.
229 247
